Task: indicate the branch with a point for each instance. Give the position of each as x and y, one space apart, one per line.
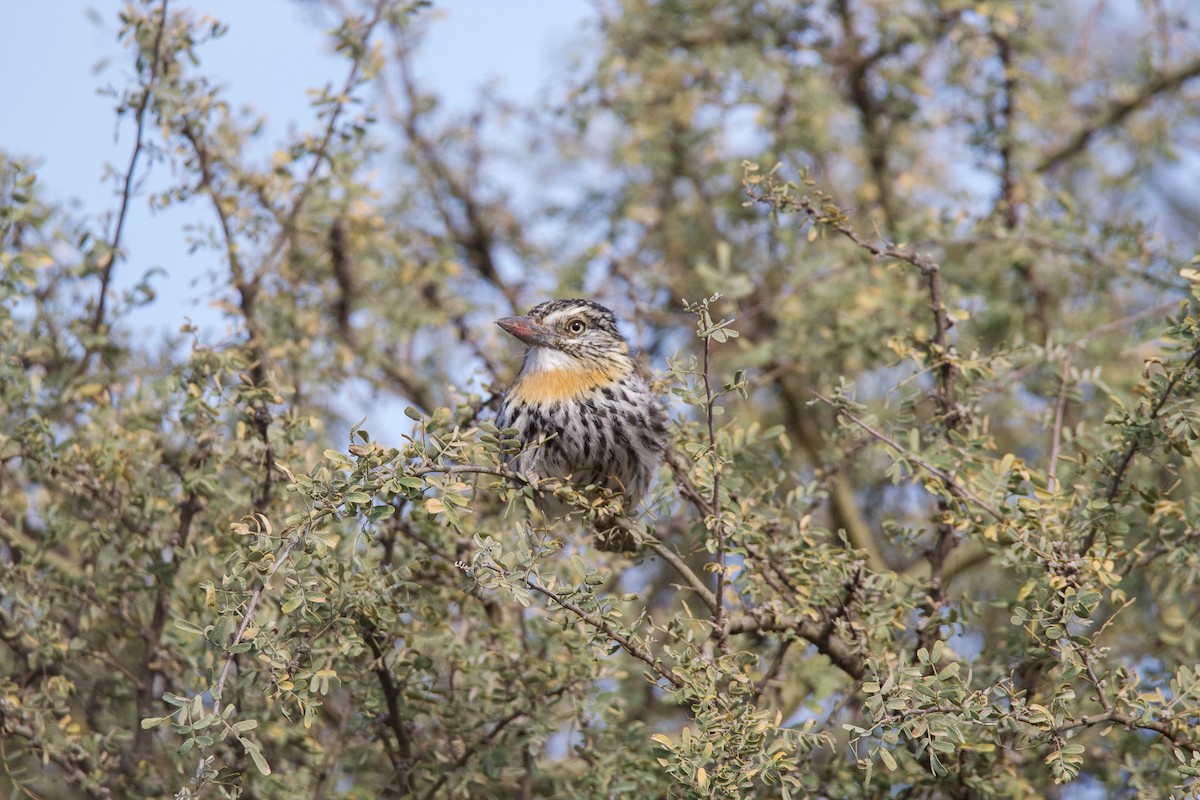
1116 114
832 647
687 488
106 270
876 133
833 217
715 507
954 487
246 285
320 155
1060 407
1009 200
843 506
668 555
391 695
255 596
629 646
1135 444
151 667
470 750
476 236
76 763
1111 714
1007 134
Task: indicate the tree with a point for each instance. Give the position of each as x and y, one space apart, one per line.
929 526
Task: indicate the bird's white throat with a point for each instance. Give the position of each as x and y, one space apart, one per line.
547 359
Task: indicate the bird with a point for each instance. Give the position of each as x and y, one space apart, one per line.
581 408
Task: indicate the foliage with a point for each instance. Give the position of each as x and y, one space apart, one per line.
929 526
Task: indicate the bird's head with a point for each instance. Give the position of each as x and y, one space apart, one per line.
570 335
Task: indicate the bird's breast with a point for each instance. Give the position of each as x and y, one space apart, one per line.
546 387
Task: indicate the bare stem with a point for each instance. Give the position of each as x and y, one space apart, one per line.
1115 114
715 508
139 144
1056 432
1135 444
627 644
954 487
251 606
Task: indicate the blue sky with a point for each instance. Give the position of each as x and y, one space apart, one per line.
59 57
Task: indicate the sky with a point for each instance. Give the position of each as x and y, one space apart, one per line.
60 57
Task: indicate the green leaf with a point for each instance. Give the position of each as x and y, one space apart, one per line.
188 626
175 700
255 753
339 458
380 512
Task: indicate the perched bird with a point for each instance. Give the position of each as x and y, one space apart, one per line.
582 410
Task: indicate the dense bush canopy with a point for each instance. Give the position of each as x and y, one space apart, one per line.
918 278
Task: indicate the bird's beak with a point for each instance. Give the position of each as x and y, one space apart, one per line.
529 331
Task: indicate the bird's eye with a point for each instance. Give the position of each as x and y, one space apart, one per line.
576 326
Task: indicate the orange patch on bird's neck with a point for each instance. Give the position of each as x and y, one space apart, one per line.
558 385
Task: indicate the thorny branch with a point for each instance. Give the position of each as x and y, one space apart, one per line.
1115 114
762 620
951 416
946 479
1135 444
944 396
139 144
478 234
1111 714
715 506
319 156
496 730
629 646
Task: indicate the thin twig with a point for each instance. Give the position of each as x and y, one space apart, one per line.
110 258
954 487
251 605
1116 114
629 646
668 555
1135 444
715 507
1056 432
772 671
496 729
320 155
